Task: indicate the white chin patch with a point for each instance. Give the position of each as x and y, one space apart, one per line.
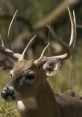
21 106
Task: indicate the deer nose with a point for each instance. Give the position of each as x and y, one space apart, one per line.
4 94
7 93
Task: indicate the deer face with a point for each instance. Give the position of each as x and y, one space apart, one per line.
26 78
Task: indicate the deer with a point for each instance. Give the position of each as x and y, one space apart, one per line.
29 86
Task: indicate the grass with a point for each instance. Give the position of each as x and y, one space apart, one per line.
7 109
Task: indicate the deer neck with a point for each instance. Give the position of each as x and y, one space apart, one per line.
44 104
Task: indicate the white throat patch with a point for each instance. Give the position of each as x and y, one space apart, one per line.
21 106
30 103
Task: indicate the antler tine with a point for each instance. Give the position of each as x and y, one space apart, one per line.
26 48
42 54
53 33
73 26
2 42
10 25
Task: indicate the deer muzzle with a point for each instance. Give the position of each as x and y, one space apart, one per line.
8 93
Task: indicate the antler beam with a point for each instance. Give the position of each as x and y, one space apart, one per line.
66 47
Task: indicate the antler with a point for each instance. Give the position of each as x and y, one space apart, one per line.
43 59
9 53
10 25
15 56
66 47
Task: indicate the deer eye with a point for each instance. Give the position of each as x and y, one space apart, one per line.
30 75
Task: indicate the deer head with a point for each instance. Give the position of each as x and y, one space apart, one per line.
27 76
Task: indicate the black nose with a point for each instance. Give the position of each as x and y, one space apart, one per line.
7 93
4 94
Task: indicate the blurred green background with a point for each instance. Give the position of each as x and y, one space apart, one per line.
30 15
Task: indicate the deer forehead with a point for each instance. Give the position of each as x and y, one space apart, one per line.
21 66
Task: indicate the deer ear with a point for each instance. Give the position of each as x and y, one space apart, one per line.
51 67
